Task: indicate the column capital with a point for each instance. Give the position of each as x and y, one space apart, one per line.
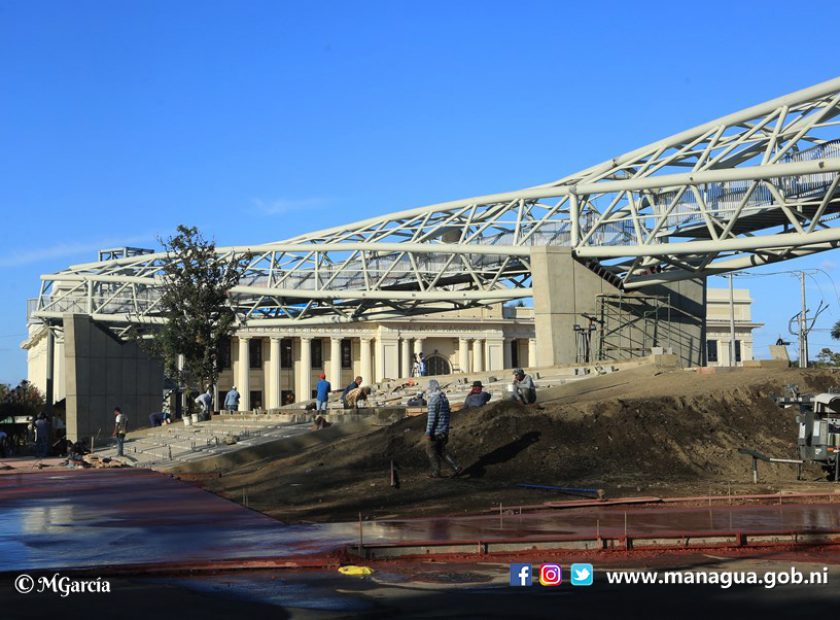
305 338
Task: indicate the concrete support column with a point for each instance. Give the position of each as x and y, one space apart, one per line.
478 355
532 353
305 374
508 356
243 383
335 362
364 358
181 363
464 354
405 357
273 381
418 345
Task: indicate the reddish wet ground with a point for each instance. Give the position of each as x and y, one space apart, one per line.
95 518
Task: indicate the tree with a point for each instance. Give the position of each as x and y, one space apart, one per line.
22 400
827 357
195 304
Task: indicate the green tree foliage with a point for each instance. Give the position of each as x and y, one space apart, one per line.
196 284
827 357
23 400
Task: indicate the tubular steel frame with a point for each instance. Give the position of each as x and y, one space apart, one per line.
751 188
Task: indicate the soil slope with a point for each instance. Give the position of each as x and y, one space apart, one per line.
636 432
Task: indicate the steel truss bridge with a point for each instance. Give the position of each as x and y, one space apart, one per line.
755 187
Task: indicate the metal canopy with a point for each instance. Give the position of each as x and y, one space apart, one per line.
751 188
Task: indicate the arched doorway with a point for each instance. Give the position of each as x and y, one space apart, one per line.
437 365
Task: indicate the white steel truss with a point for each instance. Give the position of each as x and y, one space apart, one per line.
751 188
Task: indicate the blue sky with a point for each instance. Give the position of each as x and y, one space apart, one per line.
259 120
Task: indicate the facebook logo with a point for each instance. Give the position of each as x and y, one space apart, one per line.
520 575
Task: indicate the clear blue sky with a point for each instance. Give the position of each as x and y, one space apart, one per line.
259 120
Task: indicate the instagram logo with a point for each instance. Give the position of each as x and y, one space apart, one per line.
551 575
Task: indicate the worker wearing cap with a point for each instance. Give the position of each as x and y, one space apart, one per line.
524 390
232 400
477 396
322 393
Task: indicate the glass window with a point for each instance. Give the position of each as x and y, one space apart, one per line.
514 354
256 399
711 350
223 356
255 353
737 350
286 353
316 348
346 353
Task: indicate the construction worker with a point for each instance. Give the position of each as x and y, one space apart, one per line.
120 427
322 391
477 396
356 397
232 400
437 430
354 384
524 390
205 401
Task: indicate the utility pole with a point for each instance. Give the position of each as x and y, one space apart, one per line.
731 320
803 327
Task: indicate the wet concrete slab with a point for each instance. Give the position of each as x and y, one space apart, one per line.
82 518
110 518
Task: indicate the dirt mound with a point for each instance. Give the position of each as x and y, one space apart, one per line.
640 436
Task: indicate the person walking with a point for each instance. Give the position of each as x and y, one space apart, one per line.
437 431
232 400
120 426
354 384
424 370
477 396
322 393
524 389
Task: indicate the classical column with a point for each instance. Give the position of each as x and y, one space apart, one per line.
379 359
305 375
532 352
418 345
366 371
273 382
508 356
243 385
405 357
335 362
464 354
478 355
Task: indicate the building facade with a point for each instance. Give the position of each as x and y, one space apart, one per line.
272 366
718 327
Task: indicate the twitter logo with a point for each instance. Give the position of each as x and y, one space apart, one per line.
582 574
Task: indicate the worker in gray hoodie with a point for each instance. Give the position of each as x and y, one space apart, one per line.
437 430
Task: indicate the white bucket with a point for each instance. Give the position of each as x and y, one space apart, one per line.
195 418
187 421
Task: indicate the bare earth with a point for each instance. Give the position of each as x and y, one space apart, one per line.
637 432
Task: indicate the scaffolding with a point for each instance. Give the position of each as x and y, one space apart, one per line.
631 326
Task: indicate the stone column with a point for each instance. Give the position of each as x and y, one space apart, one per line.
367 370
405 357
532 353
335 362
418 345
464 354
242 384
508 356
379 359
273 382
478 355
305 374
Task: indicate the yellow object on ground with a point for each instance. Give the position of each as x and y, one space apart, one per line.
355 570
